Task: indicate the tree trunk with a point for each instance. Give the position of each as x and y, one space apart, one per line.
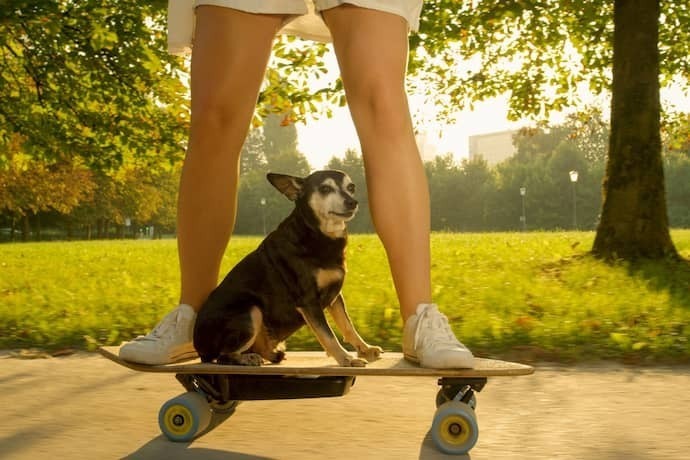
634 219
99 229
26 228
38 227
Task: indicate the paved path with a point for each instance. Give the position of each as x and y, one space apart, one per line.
85 407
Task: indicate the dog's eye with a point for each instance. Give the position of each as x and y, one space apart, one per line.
351 188
325 189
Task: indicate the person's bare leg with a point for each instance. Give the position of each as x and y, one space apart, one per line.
372 53
371 47
231 51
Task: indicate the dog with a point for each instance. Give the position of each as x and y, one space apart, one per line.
295 274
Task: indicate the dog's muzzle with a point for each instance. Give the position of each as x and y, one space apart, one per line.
345 215
350 205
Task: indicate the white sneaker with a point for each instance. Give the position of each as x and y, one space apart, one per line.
170 341
429 341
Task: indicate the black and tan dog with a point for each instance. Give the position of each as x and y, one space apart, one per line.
290 279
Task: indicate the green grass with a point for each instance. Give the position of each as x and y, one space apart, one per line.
532 296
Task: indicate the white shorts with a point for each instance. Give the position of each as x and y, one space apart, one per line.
304 19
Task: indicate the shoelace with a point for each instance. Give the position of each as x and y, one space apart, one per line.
437 323
160 331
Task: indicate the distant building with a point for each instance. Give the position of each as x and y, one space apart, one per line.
493 147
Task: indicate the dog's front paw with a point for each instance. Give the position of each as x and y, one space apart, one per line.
252 359
276 356
349 361
356 362
370 353
244 359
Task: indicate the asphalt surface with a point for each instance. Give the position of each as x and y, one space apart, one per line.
85 407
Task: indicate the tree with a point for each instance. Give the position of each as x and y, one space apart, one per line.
585 129
539 52
531 143
271 148
443 176
29 186
677 170
590 134
280 147
544 158
91 79
634 219
252 157
477 184
676 133
165 182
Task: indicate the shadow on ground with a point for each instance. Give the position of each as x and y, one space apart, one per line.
161 448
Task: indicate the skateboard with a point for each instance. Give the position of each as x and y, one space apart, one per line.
213 391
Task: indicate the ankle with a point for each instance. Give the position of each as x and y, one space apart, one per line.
187 305
416 311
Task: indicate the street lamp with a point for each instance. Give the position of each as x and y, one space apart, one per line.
573 179
523 218
263 213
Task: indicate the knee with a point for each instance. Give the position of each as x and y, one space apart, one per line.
376 100
216 114
218 130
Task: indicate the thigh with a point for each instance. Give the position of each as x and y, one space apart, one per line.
370 44
372 49
230 54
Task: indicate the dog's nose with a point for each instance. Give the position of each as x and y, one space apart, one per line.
350 203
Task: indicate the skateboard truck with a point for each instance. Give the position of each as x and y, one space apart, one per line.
460 389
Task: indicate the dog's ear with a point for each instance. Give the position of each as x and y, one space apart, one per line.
290 186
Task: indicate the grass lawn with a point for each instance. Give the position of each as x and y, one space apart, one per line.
512 295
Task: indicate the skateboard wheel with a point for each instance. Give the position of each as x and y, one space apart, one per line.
454 429
182 418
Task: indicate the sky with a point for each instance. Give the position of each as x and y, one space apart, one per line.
320 140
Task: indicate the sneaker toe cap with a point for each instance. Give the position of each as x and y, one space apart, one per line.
138 353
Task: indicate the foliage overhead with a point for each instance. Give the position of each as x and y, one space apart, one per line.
540 52
91 79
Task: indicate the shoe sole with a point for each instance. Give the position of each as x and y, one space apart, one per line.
411 358
184 356
416 361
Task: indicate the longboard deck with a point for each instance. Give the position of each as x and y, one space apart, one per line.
308 363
